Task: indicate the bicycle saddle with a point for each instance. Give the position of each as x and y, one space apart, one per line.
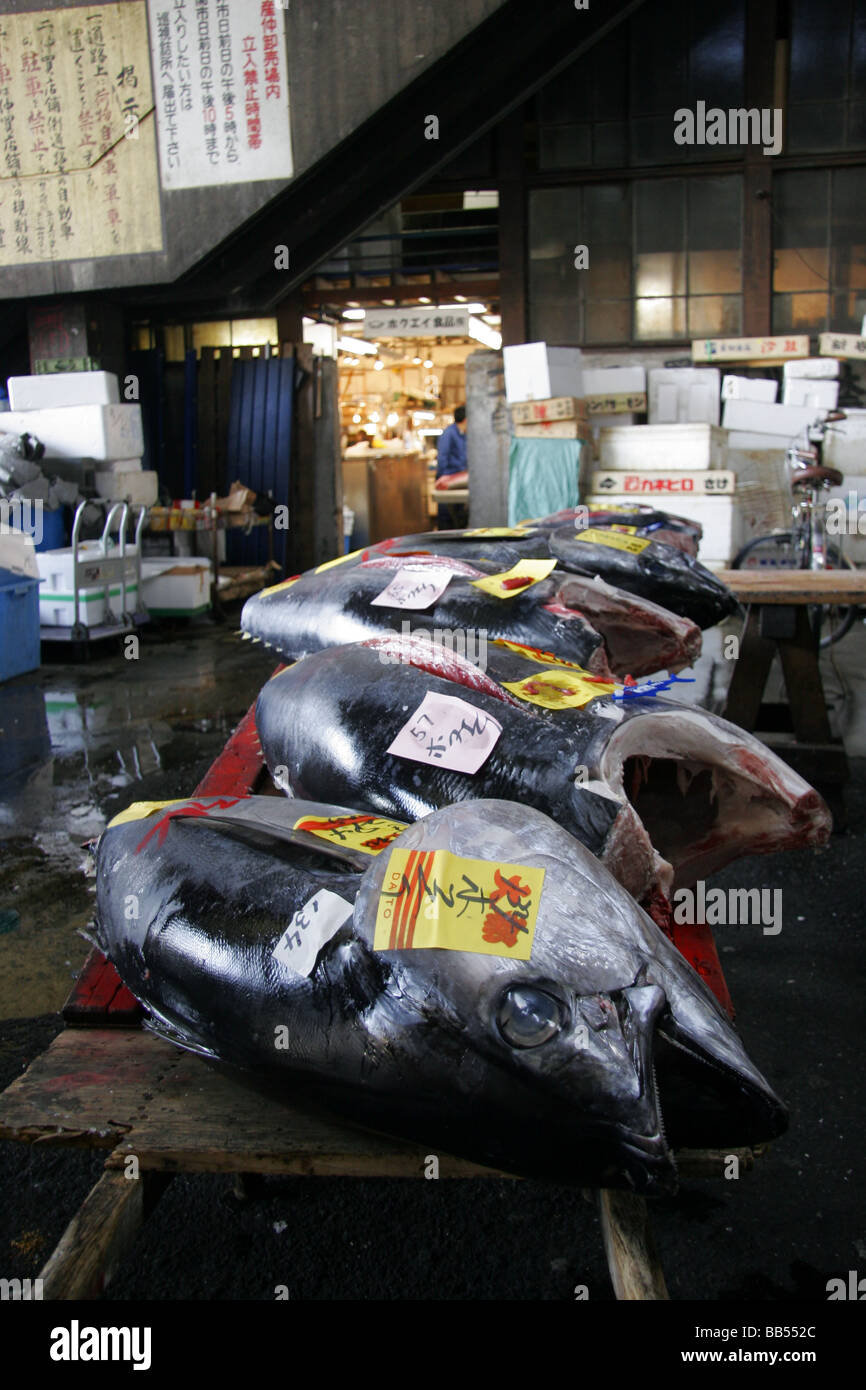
817 475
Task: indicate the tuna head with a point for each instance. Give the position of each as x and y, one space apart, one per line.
577 1043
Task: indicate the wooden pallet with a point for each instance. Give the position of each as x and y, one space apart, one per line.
105 1083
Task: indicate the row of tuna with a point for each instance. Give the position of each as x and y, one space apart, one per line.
453 922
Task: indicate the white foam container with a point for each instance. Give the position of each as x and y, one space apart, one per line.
747 388
760 417
52 389
683 395
536 372
142 488
57 590
82 431
802 390
176 585
720 517
816 368
671 448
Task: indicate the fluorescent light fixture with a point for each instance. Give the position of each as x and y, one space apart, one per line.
483 333
356 419
354 313
424 433
428 363
356 345
374 417
391 420
480 198
377 366
416 361
461 297
422 299
423 415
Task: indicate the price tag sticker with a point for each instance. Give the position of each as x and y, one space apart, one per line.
413 589
558 688
615 540
447 732
369 834
441 900
516 580
310 928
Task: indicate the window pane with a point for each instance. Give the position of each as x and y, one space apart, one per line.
565 146
715 272
848 312
800 313
715 316
659 222
660 318
817 125
556 321
806 268
801 232
610 144
819 50
607 321
659 274
211 335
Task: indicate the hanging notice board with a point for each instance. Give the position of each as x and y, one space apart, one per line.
78 168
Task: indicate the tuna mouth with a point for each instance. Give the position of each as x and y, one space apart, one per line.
707 793
708 1105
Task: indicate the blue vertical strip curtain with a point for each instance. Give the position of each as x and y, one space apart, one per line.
259 447
190 422
543 477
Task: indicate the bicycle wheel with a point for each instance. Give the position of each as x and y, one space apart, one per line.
830 622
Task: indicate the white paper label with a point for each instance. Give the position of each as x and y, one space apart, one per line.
413 589
447 732
312 925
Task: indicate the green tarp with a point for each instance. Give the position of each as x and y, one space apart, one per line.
542 477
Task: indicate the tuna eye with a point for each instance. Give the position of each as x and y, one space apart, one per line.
528 1017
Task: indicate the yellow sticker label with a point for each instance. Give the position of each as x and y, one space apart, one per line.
557 688
283 584
369 834
140 810
537 654
615 540
438 899
516 580
340 560
498 533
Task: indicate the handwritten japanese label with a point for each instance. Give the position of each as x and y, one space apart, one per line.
310 928
842 345
222 94
446 731
749 349
441 900
558 688
78 168
516 580
613 539
413 589
369 834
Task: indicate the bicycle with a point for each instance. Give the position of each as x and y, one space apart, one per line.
806 546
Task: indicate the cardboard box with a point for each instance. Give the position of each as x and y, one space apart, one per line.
818 368
747 388
750 349
536 372
47 391
82 431
554 429
176 587
683 395
558 408
802 390
661 448
758 417
657 486
240 496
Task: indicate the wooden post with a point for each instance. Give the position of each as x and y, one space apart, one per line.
512 228
99 1236
635 1271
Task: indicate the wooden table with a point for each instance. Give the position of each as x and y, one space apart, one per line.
777 621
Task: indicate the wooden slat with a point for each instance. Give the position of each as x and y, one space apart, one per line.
100 998
97 1239
87 1088
635 1271
239 765
796 586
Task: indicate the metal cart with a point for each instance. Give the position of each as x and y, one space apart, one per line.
116 566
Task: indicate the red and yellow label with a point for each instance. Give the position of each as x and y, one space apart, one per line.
516 580
537 654
615 540
558 688
369 834
436 899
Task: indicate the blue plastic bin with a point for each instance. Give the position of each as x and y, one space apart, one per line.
19 624
53 530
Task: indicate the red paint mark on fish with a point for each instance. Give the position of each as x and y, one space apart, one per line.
191 809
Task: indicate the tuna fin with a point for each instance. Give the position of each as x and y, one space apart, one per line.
172 1033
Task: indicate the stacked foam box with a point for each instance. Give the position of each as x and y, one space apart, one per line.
176 587
683 395
57 593
679 468
78 416
812 382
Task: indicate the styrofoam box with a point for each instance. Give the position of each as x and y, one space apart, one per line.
852 492
803 390
53 389
56 592
671 448
747 388
142 489
817 368
535 372
663 488
744 439
759 417
173 584
683 395
117 465
845 444
83 431
614 381
720 517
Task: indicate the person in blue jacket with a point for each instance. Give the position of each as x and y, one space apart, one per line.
451 458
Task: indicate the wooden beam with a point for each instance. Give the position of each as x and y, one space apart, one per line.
632 1259
512 227
99 1236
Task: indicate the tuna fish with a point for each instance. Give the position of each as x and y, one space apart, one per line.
663 793
638 637
481 984
677 531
